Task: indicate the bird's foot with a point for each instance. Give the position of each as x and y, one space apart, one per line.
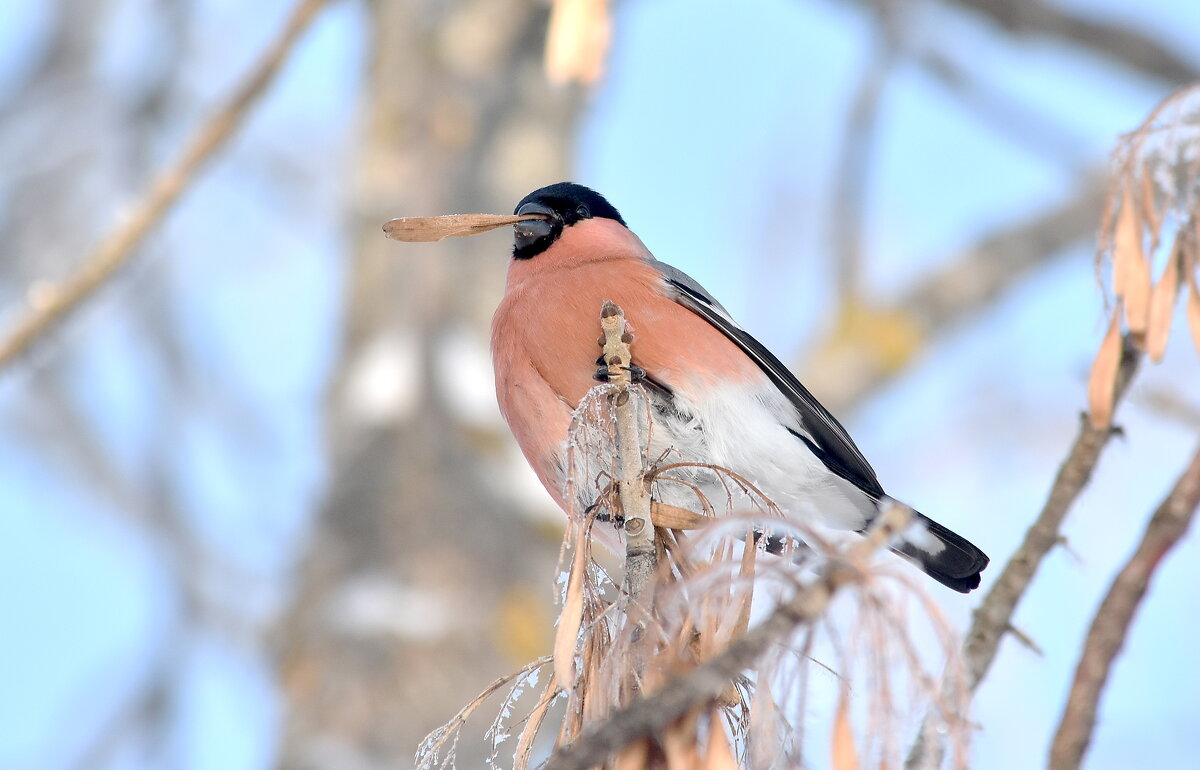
603 374
599 511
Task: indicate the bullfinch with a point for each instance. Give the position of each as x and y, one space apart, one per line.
717 397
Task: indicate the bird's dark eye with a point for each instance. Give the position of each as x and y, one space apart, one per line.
583 212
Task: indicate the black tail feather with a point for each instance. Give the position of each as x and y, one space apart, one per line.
956 566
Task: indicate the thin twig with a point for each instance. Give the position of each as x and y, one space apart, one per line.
1112 621
434 742
653 713
1117 42
994 616
53 304
632 486
1003 111
856 162
995 613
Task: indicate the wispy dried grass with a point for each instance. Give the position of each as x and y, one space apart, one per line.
714 584
1150 227
717 582
439 748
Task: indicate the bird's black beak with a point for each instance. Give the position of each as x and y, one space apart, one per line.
531 231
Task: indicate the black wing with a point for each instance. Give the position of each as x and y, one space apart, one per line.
823 434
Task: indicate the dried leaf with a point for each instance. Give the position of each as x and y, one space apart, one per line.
719 754
1162 306
1124 240
673 517
577 40
1137 298
1131 271
532 725
1193 305
749 559
635 756
1149 211
1103 380
844 753
423 229
679 743
569 621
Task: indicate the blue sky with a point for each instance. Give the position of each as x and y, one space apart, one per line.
716 134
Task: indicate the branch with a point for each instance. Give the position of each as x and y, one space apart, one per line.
954 292
641 558
652 714
53 304
995 613
632 488
1002 111
993 618
1111 624
1119 43
855 163
1000 260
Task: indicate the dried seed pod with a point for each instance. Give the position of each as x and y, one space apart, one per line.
425 229
570 620
719 754
1162 306
577 40
843 752
1131 271
1102 383
672 517
1149 211
1193 305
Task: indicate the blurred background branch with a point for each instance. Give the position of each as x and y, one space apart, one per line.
1118 42
412 570
50 303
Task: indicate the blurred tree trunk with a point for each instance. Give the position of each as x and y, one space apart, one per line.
394 623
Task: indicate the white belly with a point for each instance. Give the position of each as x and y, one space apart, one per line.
738 428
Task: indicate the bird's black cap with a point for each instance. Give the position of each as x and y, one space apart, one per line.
564 204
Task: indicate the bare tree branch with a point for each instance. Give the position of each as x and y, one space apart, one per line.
1170 405
993 618
957 291
1111 624
52 304
634 492
440 117
1004 112
998 261
1122 44
856 162
995 613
